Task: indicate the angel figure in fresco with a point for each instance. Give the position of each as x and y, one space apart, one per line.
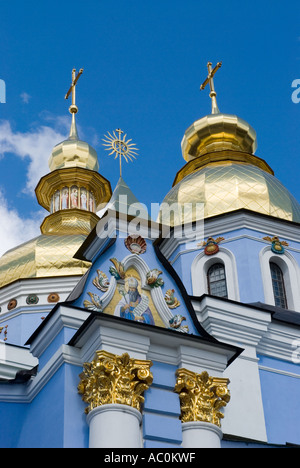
56 201
91 202
83 199
65 199
133 305
74 197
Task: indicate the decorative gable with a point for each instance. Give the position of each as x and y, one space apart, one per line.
137 287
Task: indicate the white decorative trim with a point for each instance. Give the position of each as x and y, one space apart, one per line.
220 225
278 371
202 263
233 323
291 276
225 241
42 287
279 342
71 318
14 359
119 337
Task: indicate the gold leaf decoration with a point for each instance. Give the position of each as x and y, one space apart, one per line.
201 397
110 378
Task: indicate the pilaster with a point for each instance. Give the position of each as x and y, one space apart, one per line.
201 399
113 388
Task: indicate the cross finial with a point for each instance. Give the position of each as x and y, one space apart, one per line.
210 80
73 108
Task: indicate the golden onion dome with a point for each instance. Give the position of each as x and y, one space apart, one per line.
221 187
71 192
73 152
44 256
222 174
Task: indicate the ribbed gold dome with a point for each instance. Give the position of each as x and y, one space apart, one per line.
222 175
73 152
44 256
217 132
227 186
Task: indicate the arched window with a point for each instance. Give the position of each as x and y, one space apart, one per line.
278 286
216 280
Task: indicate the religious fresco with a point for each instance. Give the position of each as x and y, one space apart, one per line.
64 198
72 197
83 199
92 206
57 200
133 301
129 301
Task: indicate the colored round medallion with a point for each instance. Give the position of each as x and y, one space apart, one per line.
32 299
12 304
53 297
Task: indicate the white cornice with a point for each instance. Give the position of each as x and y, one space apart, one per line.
61 318
247 327
14 359
117 337
42 287
231 222
231 322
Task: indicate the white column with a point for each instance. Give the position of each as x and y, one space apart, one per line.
114 426
198 434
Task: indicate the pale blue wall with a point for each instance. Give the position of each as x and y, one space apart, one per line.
21 327
246 253
280 394
161 424
54 419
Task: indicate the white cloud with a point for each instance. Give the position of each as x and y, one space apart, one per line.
25 97
36 145
15 230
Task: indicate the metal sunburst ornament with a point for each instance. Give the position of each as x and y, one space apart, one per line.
118 145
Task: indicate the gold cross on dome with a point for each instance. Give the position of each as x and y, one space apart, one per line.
73 108
209 79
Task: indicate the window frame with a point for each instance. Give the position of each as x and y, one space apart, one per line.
222 280
274 267
291 275
200 266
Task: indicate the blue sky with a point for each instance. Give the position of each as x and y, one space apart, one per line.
143 64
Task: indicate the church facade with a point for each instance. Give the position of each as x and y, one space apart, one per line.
117 331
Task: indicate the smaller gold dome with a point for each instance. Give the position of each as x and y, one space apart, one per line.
73 153
218 132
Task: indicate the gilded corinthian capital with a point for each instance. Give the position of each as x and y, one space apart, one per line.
109 378
201 396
